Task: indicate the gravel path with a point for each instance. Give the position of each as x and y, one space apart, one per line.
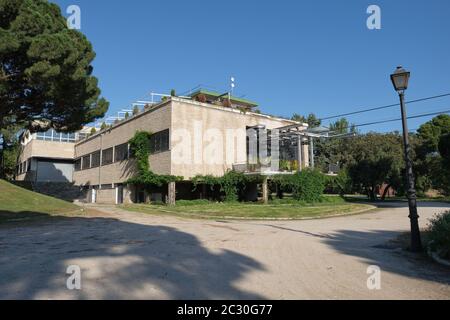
127 255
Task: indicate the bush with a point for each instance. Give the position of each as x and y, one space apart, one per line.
439 235
340 184
307 185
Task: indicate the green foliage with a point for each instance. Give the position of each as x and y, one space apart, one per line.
439 235
9 151
340 184
444 147
93 131
135 110
45 69
430 165
232 183
311 120
140 148
370 160
104 126
431 132
307 185
342 126
173 93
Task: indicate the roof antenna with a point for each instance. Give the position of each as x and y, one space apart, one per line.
232 86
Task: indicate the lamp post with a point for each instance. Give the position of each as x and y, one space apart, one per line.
400 79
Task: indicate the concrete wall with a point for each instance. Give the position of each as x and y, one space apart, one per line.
33 149
154 121
191 115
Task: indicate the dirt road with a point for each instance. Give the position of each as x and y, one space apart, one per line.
135 256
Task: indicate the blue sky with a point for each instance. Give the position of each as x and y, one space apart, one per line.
290 56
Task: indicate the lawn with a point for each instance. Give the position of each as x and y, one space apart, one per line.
18 204
279 209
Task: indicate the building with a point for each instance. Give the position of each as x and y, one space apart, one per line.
206 134
48 156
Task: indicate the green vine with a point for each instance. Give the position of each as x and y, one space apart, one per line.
140 149
231 183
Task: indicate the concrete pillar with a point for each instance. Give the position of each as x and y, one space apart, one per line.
300 153
311 153
171 194
265 190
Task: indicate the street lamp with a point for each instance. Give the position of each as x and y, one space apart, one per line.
400 79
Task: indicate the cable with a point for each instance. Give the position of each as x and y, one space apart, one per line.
385 107
396 119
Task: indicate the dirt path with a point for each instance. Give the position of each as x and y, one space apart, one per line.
131 255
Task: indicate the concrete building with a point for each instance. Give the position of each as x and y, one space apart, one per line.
204 135
48 156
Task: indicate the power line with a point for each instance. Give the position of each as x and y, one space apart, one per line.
384 107
395 119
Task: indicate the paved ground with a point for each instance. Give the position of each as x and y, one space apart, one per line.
129 255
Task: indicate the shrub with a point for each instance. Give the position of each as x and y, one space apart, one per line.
439 235
307 185
340 184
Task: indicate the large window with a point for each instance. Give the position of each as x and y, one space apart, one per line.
159 142
107 156
53 135
86 162
95 160
121 152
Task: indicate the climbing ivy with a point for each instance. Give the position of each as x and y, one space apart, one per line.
232 183
140 150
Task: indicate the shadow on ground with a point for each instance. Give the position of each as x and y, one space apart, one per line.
119 260
379 247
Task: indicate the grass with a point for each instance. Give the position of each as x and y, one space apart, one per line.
278 209
18 204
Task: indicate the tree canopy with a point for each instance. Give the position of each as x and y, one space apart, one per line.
46 76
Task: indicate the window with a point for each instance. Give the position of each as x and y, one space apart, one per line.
77 166
86 161
29 165
121 152
107 156
159 142
95 161
52 135
107 186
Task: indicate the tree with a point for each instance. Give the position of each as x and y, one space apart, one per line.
9 151
104 126
431 132
127 115
93 131
45 70
173 93
311 120
429 165
444 147
375 159
135 110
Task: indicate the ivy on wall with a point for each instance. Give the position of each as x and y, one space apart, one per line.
140 150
